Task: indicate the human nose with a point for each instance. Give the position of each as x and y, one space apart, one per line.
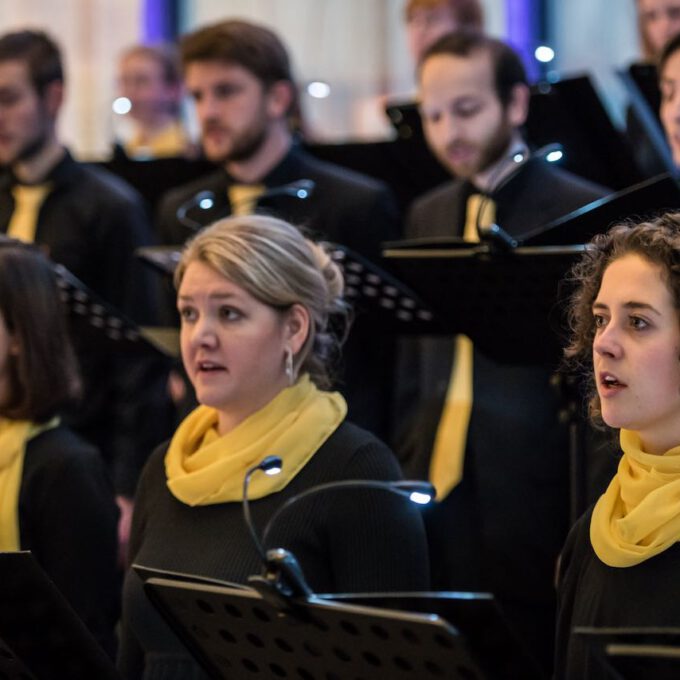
444 131
206 108
607 342
203 333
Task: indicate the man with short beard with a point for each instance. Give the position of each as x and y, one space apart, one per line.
239 77
503 503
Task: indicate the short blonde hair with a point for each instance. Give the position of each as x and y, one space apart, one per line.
277 265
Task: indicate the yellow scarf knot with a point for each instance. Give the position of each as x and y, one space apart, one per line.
204 468
638 516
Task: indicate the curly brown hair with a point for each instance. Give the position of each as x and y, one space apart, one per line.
658 241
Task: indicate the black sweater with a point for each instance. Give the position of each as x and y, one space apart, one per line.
345 541
68 520
594 594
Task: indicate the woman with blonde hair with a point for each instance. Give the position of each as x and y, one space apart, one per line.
259 306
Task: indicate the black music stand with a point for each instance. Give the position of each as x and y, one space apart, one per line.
154 177
11 666
478 616
641 201
641 83
40 631
504 301
96 320
569 112
635 653
238 633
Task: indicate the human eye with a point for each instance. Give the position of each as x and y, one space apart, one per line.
638 323
667 91
187 314
467 109
229 313
599 320
8 97
431 116
226 90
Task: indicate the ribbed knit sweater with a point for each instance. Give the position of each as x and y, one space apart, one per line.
345 541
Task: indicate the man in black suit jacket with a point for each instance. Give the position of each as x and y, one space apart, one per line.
239 77
501 527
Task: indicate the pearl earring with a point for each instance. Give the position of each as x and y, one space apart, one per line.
289 366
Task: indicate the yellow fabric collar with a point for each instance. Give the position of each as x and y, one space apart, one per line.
638 516
14 435
204 468
169 142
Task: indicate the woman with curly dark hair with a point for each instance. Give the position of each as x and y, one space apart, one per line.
620 564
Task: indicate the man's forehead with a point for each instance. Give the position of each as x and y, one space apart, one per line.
215 68
473 72
13 71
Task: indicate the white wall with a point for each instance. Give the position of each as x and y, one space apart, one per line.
596 37
358 46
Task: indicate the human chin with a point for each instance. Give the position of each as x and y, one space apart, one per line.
248 145
30 148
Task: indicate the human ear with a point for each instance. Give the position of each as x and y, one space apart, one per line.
53 96
297 327
279 99
518 105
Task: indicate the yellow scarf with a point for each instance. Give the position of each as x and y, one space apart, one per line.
639 514
204 468
14 435
170 142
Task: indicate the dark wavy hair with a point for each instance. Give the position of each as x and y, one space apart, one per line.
658 241
43 374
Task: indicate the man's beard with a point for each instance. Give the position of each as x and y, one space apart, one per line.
247 146
31 148
496 148
493 150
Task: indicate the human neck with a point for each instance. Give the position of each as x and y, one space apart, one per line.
491 177
657 444
230 419
268 156
35 169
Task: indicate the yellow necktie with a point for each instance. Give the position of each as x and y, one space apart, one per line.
448 454
27 202
243 197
